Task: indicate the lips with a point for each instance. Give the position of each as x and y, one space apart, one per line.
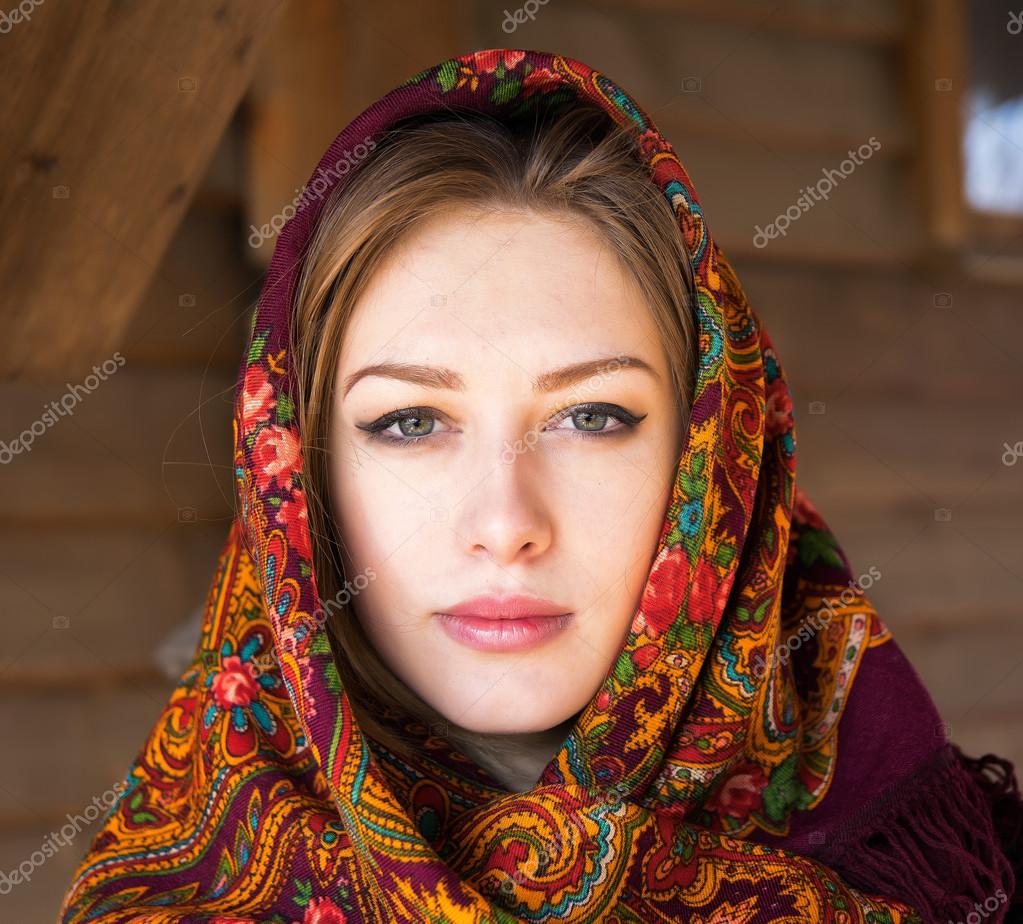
512 623
511 607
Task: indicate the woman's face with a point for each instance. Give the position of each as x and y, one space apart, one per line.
514 476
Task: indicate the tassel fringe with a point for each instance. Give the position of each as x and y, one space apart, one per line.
946 841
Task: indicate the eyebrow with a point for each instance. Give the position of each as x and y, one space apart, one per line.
440 377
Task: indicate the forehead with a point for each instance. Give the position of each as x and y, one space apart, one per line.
513 280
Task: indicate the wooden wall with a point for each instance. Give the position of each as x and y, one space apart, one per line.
109 534
110 527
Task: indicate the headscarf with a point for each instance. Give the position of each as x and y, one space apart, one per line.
760 749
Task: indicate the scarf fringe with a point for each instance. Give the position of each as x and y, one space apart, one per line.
1003 794
950 830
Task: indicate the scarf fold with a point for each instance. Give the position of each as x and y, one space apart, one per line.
708 780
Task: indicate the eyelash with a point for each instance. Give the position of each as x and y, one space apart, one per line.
377 428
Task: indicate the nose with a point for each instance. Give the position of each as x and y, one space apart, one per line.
506 514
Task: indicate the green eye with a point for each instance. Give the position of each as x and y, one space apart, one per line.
416 426
589 419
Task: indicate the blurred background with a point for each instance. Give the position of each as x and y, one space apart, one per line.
146 145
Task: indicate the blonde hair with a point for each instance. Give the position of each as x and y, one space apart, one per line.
576 162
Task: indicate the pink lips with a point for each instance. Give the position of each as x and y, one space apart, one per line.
504 623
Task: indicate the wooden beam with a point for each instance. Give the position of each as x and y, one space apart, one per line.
935 77
114 111
327 61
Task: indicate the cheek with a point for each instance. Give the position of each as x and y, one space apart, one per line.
618 508
381 521
374 508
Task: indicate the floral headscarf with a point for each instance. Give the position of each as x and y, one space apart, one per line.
760 750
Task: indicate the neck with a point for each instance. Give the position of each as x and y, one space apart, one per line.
516 760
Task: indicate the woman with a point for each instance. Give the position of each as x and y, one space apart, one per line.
522 616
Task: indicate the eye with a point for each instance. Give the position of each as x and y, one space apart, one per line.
413 425
593 419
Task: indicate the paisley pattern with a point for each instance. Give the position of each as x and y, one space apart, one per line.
257 797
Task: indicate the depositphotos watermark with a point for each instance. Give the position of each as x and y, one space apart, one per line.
1012 454
814 194
57 839
23 442
313 190
991 904
524 12
21 13
814 623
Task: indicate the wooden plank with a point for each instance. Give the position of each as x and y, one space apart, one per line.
872 22
901 452
970 671
143 446
81 746
90 606
699 67
118 111
196 309
38 900
928 336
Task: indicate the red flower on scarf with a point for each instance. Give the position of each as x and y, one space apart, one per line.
778 410
741 794
644 656
293 515
257 396
707 587
235 684
659 605
537 81
485 62
323 911
275 452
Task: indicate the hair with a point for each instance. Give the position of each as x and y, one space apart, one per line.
575 163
